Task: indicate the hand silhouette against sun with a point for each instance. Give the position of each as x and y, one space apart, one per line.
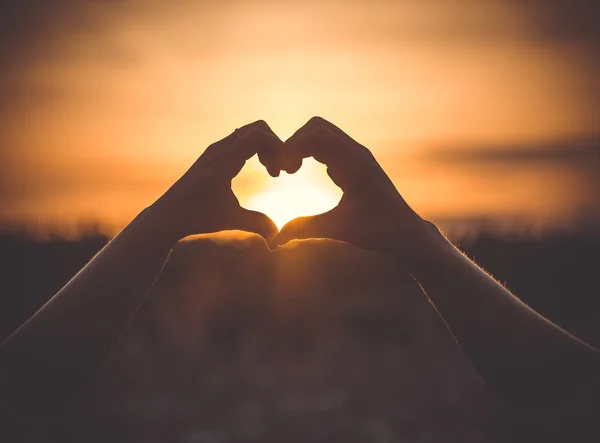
202 201
46 363
371 214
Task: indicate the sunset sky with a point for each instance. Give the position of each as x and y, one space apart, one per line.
103 104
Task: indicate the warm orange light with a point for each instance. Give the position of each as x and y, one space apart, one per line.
283 205
307 192
102 134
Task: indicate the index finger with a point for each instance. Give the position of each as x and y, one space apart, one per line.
325 146
244 130
247 143
267 153
320 121
231 153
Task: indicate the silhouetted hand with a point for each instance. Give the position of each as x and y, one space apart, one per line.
202 201
371 214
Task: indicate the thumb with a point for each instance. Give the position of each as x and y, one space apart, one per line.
317 226
257 222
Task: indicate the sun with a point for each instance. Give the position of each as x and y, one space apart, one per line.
283 205
307 192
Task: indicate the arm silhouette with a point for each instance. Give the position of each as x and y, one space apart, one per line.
49 359
531 364
528 361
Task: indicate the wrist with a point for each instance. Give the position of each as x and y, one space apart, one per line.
156 223
423 245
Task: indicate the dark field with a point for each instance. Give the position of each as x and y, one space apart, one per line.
318 341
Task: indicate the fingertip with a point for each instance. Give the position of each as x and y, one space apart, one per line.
280 240
257 125
270 230
290 164
270 161
317 142
292 230
257 222
269 235
272 243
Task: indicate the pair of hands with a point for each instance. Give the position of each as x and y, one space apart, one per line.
371 214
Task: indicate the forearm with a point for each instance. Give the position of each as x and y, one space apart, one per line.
52 356
524 357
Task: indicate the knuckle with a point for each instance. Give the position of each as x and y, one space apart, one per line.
211 148
321 131
261 124
316 120
254 126
317 137
211 151
366 151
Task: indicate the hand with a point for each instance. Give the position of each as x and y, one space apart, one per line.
202 200
371 214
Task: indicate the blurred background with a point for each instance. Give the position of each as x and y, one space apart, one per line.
482 112
485 114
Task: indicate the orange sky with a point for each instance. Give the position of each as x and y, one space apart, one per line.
106 105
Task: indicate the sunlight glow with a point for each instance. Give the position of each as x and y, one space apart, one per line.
284 205
95 127
307 192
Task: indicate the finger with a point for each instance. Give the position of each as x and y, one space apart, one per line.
319 142
269 158
232 154
268 155
315 122
253 221
257 141
317 226
291 163
344 165
246 129
217 147
320 121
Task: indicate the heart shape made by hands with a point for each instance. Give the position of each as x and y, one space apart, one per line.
309 191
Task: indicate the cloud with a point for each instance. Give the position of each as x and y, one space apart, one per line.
28 26
575 151
574 21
